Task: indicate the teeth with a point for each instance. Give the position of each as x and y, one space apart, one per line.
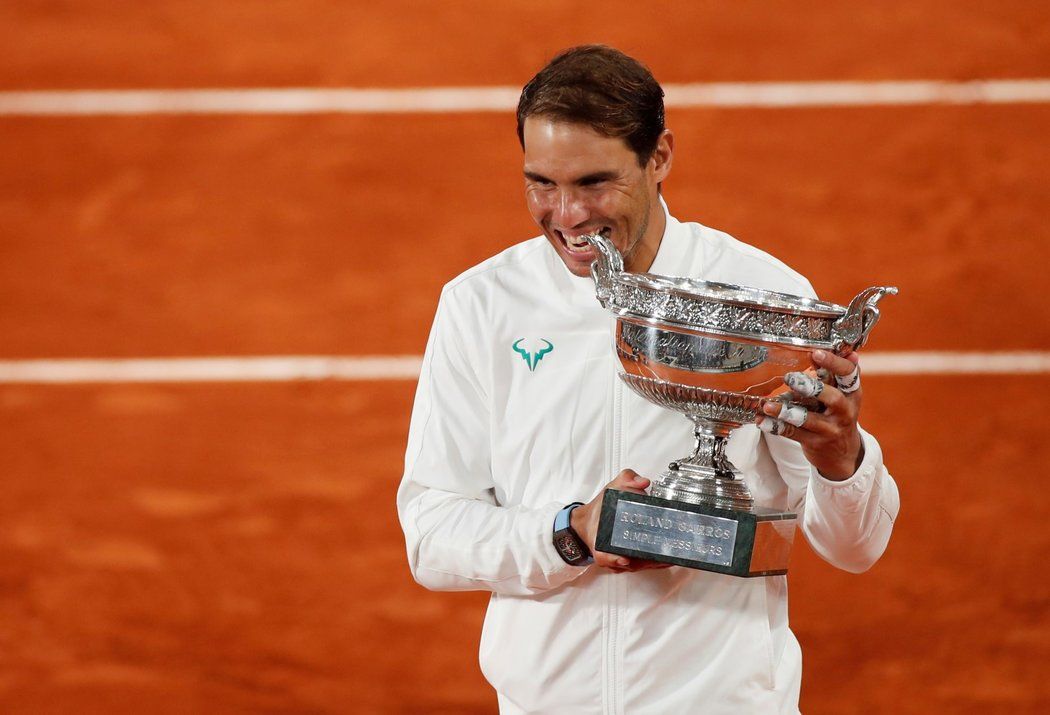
578 244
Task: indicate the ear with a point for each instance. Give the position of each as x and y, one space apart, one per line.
662 156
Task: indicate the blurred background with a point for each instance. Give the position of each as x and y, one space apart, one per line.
217 534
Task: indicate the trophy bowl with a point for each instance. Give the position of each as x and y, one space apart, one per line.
714 352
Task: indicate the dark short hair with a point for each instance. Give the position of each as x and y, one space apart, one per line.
600 87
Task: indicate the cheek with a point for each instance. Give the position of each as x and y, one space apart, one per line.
614 206
538 204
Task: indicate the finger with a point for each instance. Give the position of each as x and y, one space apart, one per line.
791 423
849 383
773 426
792 414
650 565
803 385
630 480
813 394
611 561
807 390
845 372
854 384
816 428
642 565
835 364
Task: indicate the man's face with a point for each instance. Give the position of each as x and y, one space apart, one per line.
578 181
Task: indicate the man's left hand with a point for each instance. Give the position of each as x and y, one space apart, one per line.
822 416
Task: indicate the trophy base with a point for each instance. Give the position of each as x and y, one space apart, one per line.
755 542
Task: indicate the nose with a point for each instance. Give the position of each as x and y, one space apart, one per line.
570 210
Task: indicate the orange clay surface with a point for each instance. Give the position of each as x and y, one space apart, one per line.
234 548
180 549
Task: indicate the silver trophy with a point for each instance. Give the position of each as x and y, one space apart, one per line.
714 352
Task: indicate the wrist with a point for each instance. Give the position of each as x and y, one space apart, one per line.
578 522
847 467
568 541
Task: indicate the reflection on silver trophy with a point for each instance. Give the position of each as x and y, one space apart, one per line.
714 352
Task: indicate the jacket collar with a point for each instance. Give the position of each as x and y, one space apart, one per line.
671 255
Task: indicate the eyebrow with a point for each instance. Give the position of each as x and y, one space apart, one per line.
586 179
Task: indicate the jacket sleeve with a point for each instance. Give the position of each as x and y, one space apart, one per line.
457 535
847 523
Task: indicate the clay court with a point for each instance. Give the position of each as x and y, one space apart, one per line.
231 545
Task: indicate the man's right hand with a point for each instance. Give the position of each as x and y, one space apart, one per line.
585 524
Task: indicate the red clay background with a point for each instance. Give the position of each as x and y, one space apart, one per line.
234 548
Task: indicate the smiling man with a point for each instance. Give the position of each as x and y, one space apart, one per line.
520 422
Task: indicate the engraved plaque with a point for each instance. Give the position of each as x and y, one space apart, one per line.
698 536
672 532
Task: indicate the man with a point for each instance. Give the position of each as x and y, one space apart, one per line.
519 414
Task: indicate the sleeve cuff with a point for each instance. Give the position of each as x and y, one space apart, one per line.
852 491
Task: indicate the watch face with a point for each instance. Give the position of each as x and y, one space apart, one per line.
569 547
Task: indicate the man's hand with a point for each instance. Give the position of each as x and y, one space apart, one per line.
822 416
585 524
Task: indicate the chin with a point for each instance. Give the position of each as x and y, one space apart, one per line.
576 267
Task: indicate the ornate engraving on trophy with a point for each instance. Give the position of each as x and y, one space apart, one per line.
654 301
689 352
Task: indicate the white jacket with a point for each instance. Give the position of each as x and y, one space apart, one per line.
499 443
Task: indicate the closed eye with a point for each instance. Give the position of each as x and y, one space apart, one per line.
538 179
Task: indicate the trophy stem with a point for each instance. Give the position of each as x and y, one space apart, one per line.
706 476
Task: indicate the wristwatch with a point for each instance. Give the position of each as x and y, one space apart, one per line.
568 543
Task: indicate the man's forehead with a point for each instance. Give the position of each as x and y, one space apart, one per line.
553 129
550 141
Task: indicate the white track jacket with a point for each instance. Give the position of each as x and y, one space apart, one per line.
519 412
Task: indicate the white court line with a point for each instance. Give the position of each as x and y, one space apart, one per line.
290 368
310 100
295 368
955 363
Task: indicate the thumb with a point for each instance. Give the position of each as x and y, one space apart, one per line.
630 479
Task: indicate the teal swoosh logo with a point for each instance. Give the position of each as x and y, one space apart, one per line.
532 359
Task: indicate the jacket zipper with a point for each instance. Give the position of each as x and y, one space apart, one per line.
614 586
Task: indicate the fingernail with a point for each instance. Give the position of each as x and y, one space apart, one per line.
770 408
622 562
638 479
819 355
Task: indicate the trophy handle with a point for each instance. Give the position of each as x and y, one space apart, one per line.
852 329
605 268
